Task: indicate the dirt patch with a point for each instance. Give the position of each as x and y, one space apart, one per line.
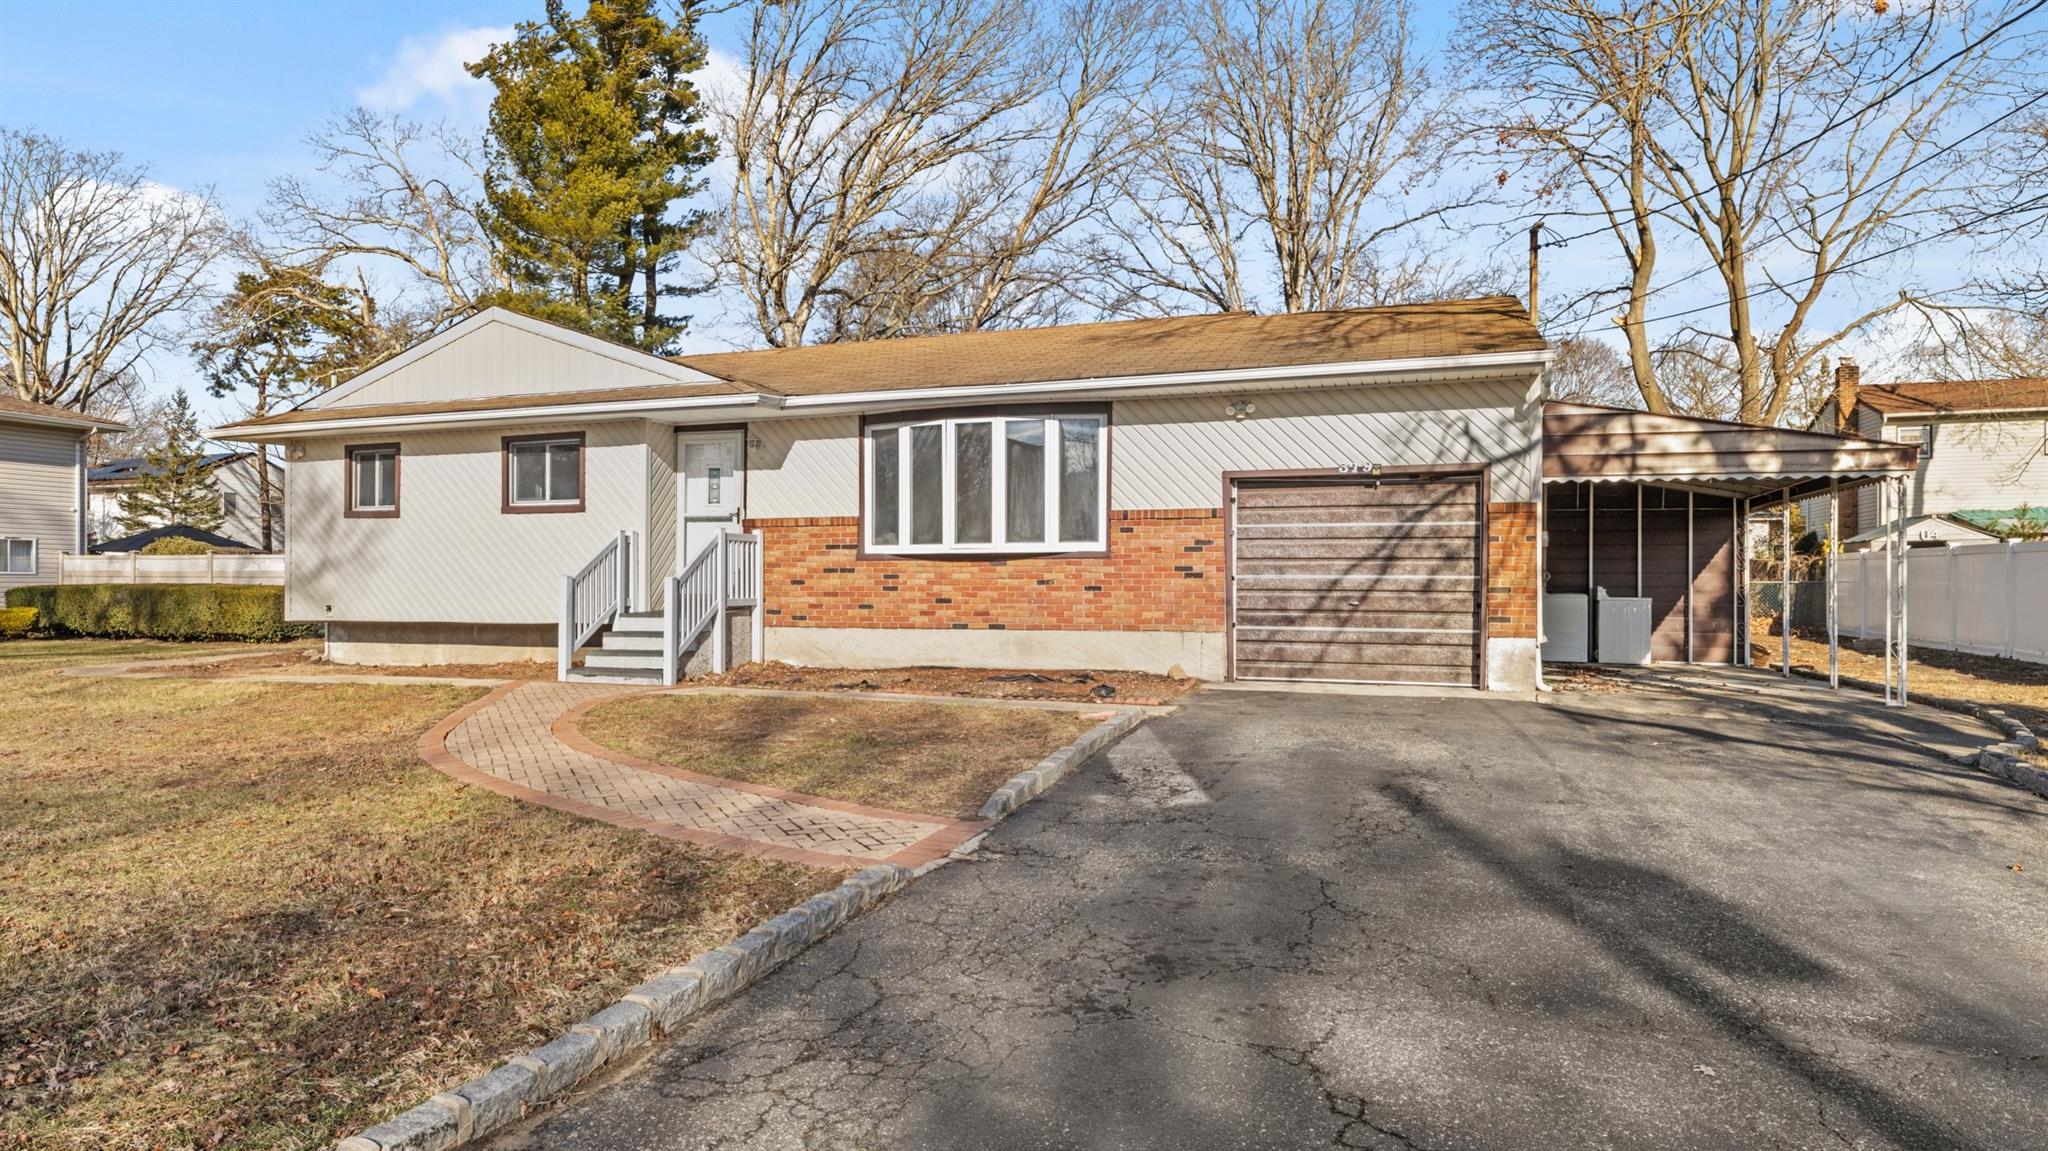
245 914
940 759
307 661
1120 687
2019 687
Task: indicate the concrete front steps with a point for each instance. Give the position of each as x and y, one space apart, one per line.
629 652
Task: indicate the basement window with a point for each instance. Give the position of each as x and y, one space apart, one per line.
987 482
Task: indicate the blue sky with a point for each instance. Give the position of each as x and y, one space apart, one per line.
221 95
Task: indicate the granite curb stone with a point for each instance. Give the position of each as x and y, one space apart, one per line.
502 1096
2003 760
1032 783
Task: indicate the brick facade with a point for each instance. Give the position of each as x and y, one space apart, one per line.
1512 581
1164 572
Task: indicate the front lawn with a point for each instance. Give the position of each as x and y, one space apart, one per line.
246 915
935 758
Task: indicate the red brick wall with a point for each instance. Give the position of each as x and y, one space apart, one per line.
1512 582
1164 572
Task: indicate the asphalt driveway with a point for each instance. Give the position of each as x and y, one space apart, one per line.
1620 919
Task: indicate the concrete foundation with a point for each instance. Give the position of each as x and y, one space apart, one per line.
1512 664
1196 653
423 644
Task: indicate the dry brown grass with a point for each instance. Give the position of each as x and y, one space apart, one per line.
307 661
943 759
245 915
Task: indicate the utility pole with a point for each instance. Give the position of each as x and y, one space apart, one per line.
1535 246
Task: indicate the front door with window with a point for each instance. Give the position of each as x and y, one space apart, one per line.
709 488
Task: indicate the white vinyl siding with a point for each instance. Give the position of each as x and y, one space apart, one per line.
40 481
1172 452
1976 463
498 359
450 556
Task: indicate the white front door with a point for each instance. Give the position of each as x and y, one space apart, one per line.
709 488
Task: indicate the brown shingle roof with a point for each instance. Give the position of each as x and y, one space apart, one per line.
485 404
47 413
1934 397
1135 348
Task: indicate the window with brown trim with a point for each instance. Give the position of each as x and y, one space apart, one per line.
995 480
543 473
372 481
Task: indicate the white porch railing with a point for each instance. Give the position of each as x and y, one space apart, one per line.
593 597
725 575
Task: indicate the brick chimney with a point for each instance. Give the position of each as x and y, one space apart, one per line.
1847 378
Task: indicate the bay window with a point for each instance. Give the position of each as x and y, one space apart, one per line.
999 482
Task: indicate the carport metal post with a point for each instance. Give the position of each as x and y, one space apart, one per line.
1831 556
1785 582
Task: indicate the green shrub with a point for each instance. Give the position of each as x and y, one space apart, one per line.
162 611
16 622
175 546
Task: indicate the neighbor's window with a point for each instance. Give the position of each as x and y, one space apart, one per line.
996 483
1918 434
227 503
373 480
544 473
18 557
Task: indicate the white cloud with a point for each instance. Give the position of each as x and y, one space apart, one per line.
434 69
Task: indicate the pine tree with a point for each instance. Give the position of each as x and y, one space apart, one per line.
594 135
175 487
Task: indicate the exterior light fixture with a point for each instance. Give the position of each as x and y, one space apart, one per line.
1240 409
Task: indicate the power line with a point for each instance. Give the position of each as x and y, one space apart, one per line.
1832 125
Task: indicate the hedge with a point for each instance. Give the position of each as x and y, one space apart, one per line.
16 622
162 611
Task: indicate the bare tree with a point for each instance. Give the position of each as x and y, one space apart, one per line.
1296 139
922 165
1585 109
97 267
1589 371
406 205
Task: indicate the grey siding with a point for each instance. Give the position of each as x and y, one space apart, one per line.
803 467
1171 453
661 511
451 555
40 495
1977 463
498 359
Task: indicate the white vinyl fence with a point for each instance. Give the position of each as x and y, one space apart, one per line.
133 567
1988 599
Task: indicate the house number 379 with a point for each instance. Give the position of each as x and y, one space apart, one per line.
1358 469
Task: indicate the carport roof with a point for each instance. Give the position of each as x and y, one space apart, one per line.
1589 442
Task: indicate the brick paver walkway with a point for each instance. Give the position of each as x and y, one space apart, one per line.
521 740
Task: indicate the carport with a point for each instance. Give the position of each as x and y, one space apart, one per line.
1646 526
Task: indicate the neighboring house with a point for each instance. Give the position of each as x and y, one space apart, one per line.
1983 448
1349 496
42 488
234 476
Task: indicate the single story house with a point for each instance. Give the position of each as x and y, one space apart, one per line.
1352 495
234 475
42 487
1983 455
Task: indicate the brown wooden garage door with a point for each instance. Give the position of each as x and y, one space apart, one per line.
1365 582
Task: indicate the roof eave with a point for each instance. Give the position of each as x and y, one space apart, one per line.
434 421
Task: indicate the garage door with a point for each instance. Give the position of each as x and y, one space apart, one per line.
1361 582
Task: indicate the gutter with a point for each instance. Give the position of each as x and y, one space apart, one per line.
919 397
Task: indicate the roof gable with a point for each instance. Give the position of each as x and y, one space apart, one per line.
498 353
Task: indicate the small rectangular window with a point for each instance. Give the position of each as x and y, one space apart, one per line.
227 503
973 491
544 473
19 556
888 476
928 484
1080 476
372 480
1024 444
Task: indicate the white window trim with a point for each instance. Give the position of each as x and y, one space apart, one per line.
547 472
999 521
35 555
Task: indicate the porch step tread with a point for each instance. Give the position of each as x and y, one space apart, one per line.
633 659
631 641
588 674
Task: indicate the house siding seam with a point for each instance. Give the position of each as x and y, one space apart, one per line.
1512 581
1164 573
